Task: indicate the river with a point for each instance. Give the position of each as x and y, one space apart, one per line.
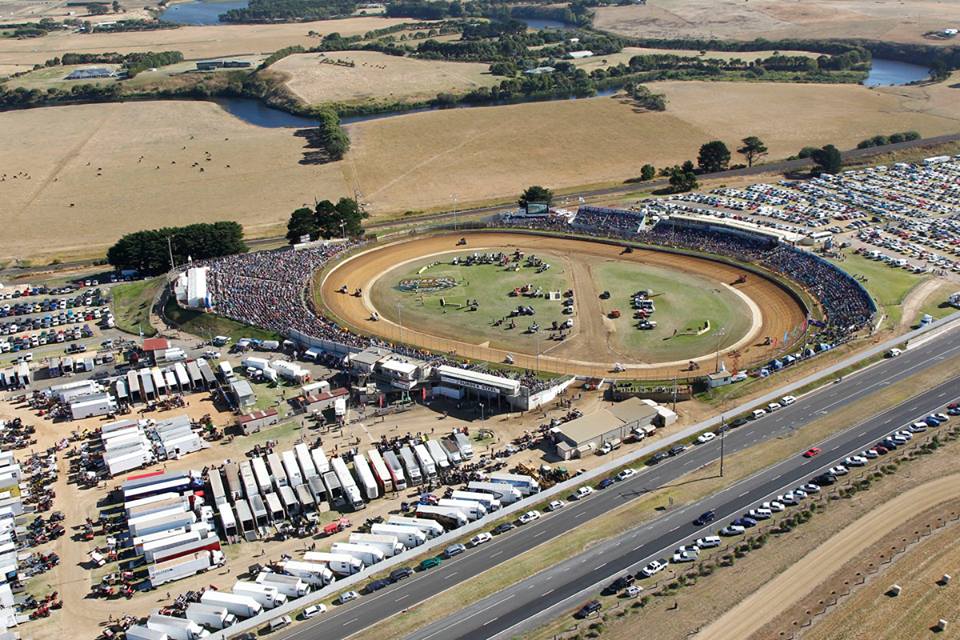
200 12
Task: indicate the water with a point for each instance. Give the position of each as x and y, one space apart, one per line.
200 11
884 73
537 23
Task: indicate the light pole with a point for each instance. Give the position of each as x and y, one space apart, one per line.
720 334
400 319
343 229
723 431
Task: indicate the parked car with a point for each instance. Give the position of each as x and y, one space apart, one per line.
708 542
453 550
739 422
347 596
313 610
677 450
685 556
787 400
633 591
855 461
653 567
279 623
774 506
589 608
581 493
606 482
503 528
732 530
745 521
376 585
429 563
626 473
399 574
529 516
556 504
657 458
759 514
480 538
838 470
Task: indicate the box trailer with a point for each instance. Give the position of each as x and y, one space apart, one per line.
290 586
245 518
408 536
388 544
289 500
527 485
487 500
313 573
161 522
216 487
157 497
139 541
260 473
275 509
176 628
306 462
320 460
427 465
228 522
472 509
396 470
334 492
164 572
151 548
140 632
450 518
277 471
268 596
452 450
379 469
240 606
231 472
317 488
294 476
410 466
304 496
210 616
250 487
430 528
463 444
156 503
368 485
367 555
351 493
438 454
505 493
342 564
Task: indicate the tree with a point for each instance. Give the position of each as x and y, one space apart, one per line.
328 218
149 251
807 152
647 172
302 222
828 159
536 194
752 149
116 6
714 156
683 180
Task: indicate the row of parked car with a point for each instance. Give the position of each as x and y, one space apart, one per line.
93 298
22 343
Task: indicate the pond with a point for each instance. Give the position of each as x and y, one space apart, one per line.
199 12
538 23
885 73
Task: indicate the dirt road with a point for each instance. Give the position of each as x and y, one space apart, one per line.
796 582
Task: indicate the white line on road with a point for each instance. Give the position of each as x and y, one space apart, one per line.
407 595
450 576
544 595
744 493
494 555
491 620
539 533
581 514
350 621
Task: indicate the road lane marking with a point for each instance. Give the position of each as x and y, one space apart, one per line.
450 576
491 620
350 621
494 555
544 595
406 595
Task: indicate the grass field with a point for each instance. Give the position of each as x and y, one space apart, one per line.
207 325
131 305
378 77
888 286
889 20
936 303
684 309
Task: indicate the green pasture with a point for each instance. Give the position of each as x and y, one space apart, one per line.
683 302
887 285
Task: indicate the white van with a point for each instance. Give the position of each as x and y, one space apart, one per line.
758 413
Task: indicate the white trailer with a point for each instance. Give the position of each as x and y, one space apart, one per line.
320 460
140 632
430 528
472 509
487 500
276 470
210 616
406 535
367 555
342 564
306 462
248 480
368 485
178 568
313 573
526 485
396 470
351 492
150 550
240 606
438 454
506 493
388 544
163 521
176 628
380 473
290 586
463 444
410 465
427 465
449 517
262 476
268 596
294 476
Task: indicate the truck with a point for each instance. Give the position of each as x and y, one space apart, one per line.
449 517
313 573
380 473
262 476
427 465
507 494
408 536
439 454
240 606
388 544
210 616
277 471
294 476
527 485
395 469
430 528
487 500
290 586
306 462
472 509
463 444
342 564
410 465
351 493
176 628
334 492
177 568
452 450
268 596
367 555
368 485
320 460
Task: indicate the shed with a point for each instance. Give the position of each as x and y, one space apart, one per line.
242 394
258 420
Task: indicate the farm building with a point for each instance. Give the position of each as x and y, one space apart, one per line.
578 437
257 421
242 394
320 402
91 74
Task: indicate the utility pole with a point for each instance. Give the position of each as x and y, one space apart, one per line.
674 393
400 319
720 334
170 252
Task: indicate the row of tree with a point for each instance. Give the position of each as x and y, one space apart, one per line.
893 138
326 220
151 251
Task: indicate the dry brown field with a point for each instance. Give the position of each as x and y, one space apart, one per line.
377 77
411 162
891 20
193 41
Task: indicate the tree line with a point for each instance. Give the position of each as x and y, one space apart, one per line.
149 251
893 138
259 11
326 220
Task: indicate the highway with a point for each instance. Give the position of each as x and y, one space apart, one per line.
553 587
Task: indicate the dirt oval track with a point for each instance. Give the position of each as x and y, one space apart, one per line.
775 311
